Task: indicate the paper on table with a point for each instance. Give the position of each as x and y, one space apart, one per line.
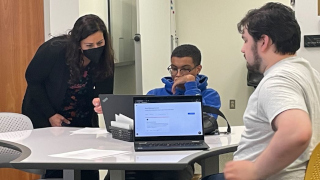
89 154
123 122
90 131
120 125
125 119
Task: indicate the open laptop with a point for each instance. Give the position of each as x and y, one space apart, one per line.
116 104
168 123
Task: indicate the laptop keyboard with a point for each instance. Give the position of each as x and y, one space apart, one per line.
175 144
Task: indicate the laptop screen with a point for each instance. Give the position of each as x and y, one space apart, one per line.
170 117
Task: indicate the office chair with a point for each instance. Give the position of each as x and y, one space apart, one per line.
313 168
10 122
14 122
253 78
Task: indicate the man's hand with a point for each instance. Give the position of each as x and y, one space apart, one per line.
181 81
240 170
56 120
97 105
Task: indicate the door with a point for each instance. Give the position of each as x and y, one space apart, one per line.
21 33
154 27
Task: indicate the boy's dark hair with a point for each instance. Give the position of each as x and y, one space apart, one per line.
278 22
188 50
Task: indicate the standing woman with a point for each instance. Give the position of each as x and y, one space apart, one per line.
66 73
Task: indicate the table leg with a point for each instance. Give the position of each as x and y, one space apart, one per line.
117 174
210 166
71 174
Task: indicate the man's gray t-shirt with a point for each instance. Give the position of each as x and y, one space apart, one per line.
289 84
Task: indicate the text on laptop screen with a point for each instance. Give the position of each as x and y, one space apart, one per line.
168 119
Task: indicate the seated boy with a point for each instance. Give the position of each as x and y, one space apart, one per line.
184 80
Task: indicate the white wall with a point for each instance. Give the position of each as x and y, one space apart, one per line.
307 16
60 15
97 7
46 16
211 25
61 18
154 18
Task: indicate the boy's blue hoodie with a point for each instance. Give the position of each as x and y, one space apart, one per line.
210 97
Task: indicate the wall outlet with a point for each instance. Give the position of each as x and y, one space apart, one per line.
232 104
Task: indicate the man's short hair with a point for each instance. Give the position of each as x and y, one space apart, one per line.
188 50
278 22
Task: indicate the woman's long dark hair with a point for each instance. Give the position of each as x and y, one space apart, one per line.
84 27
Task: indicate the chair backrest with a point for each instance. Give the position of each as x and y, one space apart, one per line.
313 168
14 122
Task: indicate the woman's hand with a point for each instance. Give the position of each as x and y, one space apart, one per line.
56 120
97 105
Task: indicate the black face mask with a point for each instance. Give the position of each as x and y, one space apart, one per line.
94 55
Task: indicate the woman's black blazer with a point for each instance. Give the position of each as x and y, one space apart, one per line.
47 81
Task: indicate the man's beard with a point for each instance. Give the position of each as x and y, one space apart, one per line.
255 67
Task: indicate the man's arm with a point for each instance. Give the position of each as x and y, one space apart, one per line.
292 136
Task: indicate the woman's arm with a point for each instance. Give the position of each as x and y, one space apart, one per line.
36 75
